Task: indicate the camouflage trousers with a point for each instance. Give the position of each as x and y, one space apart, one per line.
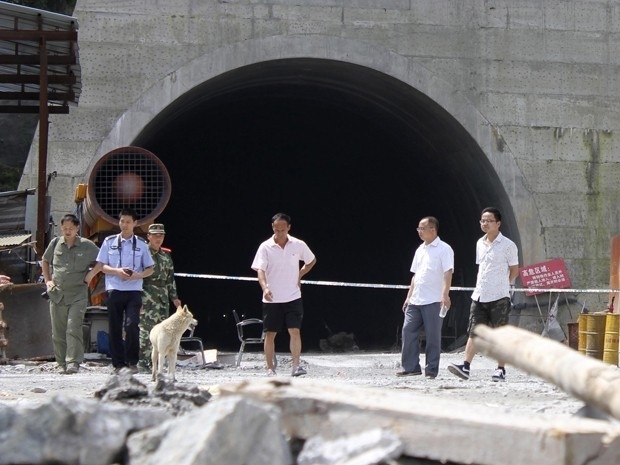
148 319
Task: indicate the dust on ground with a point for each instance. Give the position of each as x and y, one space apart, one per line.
30 383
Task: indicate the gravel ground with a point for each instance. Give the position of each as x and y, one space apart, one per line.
30 383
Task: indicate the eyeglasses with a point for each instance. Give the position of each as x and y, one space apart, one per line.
423 229
487 221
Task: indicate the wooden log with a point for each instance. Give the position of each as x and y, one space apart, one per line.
588 379
435 428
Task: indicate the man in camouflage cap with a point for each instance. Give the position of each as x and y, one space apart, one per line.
157 291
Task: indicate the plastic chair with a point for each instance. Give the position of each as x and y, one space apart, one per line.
243 337
192 341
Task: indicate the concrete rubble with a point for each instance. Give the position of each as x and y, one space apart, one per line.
70 431
132 425
285 421
175 397
332 417
231 431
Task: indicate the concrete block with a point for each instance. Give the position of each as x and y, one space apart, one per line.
555 176
564 111
268 27
546 143
568 243
431 41
559 15
64 154
548 78
591 16
495 16
590 272
388 4
565 209
502 109
380 16
84 124
300 14
59 187
614 18
528 15
574 47
545 46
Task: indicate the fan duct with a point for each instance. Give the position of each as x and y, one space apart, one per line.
127 177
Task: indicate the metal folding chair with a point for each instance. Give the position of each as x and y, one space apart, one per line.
242 326
192 341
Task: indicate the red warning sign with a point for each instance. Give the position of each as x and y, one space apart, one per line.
545 275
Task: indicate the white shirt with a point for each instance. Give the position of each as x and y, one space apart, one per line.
430 262
281 267
494 261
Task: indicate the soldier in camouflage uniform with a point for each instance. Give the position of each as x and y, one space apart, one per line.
157 291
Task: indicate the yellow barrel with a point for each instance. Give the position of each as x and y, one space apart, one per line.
595 334
610 342
581 323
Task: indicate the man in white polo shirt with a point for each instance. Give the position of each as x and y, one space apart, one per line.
279 275
497 258
432 268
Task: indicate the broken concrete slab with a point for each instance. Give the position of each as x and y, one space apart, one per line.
229 431
71 431
368 447
311 408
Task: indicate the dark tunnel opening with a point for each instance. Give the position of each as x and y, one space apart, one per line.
356 157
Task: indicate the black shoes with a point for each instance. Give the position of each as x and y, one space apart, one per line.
409 373
459 370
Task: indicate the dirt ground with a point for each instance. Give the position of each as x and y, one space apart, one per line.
29 383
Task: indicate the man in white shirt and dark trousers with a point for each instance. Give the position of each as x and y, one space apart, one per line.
432 268
498 267
279 275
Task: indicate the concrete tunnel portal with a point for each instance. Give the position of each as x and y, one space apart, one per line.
355 156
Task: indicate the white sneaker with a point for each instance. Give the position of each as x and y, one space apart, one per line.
270 372
499 375
298 371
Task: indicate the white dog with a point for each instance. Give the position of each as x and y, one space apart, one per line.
165 338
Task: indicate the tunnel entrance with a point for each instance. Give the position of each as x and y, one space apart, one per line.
356 158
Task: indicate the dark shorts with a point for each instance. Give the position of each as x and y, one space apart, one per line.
493 314
279 315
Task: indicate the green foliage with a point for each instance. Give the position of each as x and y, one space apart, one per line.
9 178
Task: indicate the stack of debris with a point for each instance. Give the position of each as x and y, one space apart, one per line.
339 343
288 421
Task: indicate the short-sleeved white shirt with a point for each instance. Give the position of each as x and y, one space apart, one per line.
430 262
281 267
494 261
